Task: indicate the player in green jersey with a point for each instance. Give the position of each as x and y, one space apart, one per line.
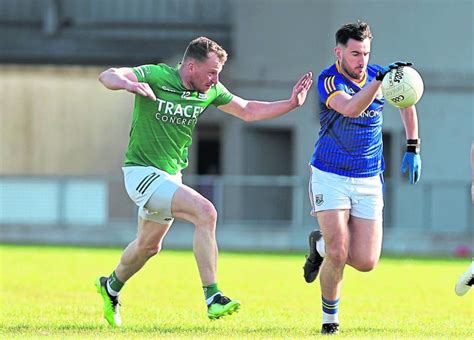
168 104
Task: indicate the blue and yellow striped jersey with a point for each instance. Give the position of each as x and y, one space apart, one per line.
348 146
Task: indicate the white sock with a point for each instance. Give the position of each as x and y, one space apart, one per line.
110 290
330 310
210 298
321 247
330 318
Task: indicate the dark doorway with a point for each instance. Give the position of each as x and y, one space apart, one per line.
209 150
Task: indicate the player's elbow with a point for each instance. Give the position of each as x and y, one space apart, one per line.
347 109
249 118
247 115
351 113
105 75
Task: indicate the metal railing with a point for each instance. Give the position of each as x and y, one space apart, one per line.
100 200
238 199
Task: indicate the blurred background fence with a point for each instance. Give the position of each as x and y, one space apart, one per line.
96 210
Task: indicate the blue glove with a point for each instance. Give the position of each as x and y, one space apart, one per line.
380 74
412 162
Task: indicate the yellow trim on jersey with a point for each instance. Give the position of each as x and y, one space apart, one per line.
332 96
325 85
329 84
360 83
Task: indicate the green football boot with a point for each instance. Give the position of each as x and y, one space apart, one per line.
221 306
111 303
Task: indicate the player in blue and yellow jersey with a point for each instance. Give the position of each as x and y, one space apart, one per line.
347 166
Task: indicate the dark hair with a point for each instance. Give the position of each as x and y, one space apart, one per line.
200 48
358 31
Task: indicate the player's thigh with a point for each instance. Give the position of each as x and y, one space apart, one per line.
334 227
191 206
366 240
365 224
151 234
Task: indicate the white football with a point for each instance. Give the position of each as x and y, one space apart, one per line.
402 87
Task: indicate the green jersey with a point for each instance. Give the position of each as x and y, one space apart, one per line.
161 131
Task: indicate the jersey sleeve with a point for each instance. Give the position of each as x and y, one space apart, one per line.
223 96
147 73
329 86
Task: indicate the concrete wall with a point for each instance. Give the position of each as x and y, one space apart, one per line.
61 121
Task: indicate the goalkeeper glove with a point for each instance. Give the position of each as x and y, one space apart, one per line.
380 74
412 161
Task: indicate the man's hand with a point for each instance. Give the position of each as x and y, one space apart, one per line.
412 163
381 74
142 89
300 90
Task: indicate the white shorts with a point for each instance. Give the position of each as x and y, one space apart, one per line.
362 196
143 182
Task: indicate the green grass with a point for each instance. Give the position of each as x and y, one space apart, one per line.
48 291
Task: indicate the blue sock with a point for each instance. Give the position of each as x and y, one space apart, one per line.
330 310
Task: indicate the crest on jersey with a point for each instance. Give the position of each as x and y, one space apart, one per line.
165 88
202 96
318 199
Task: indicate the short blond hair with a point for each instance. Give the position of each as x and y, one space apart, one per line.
200 48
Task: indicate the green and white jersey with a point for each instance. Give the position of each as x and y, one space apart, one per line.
161 131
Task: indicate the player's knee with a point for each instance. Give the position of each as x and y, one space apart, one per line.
337 255
207 214
366 265
148 250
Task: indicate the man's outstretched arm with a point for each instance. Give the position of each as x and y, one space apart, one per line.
253 110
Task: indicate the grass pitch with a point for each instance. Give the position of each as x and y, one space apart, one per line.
49 291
